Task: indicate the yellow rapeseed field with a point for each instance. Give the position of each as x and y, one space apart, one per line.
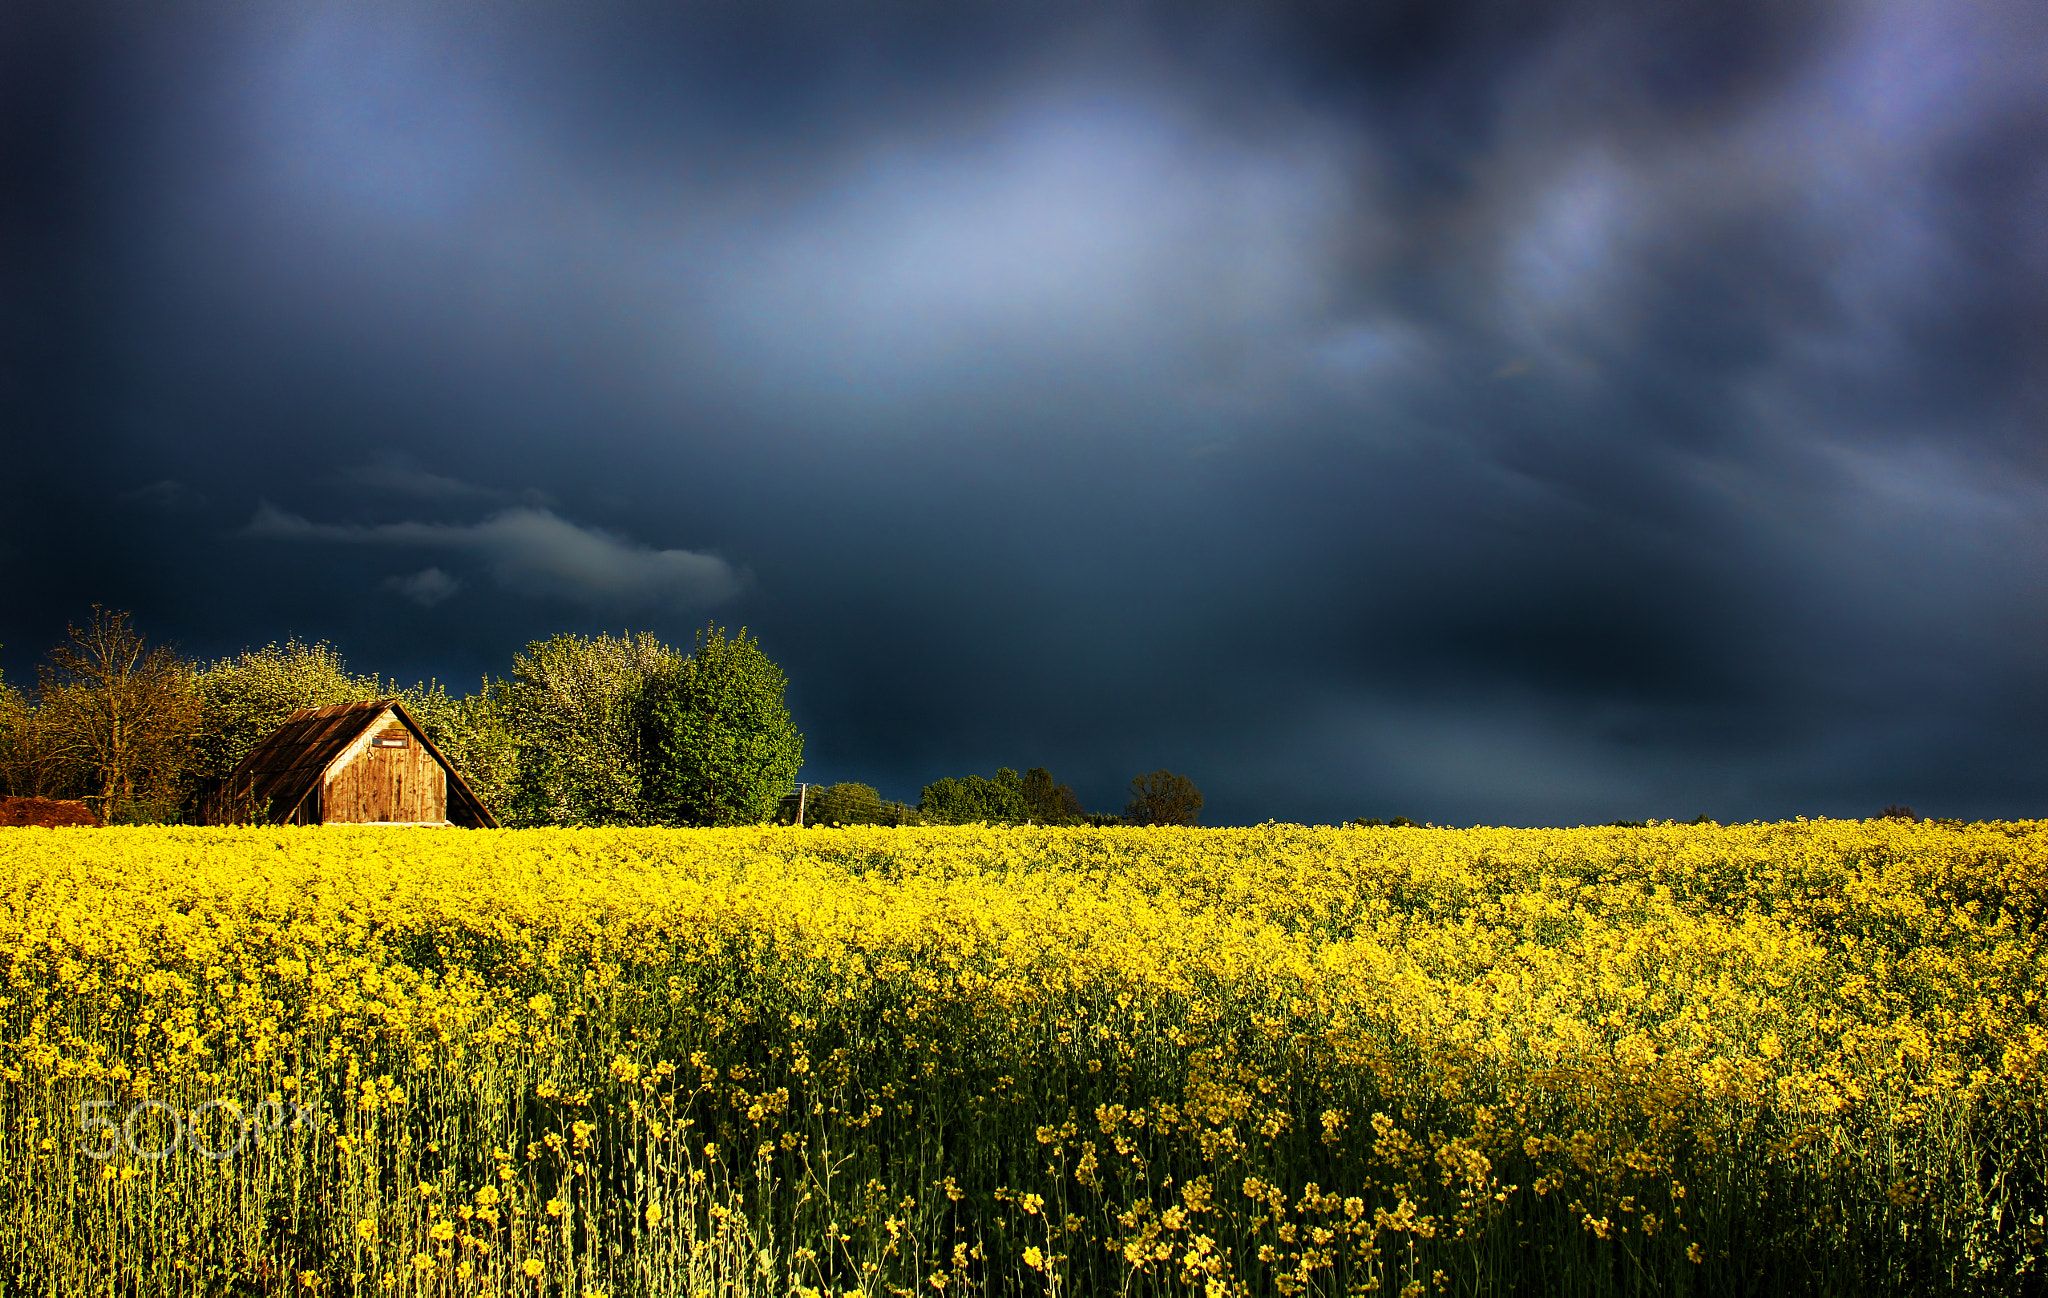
1807 1057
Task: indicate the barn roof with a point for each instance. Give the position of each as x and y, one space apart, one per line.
282 771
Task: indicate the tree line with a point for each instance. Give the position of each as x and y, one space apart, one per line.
583 730
1006 798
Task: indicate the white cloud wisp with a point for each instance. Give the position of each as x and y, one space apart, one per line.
533 551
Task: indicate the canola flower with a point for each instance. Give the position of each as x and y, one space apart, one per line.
1802 1058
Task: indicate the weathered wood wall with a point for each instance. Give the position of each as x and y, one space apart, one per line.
387 784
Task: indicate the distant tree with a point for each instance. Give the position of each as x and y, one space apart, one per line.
1398 822
121 714
484 745
852 804
574 709
1006 798
842 804
1048 802
1009 792
429 703
975 799
244 698
1897 812
1163 798
720 745
16 744
32 761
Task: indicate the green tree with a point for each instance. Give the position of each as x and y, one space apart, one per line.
1006 798
853 804
1163 798
474 732
842 804
975 799
721 747
244 698
574 710
1048 802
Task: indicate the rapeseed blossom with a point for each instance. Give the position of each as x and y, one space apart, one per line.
1262 1061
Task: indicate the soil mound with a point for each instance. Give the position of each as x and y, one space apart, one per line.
45 811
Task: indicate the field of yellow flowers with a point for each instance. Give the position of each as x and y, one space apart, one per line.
1799 1058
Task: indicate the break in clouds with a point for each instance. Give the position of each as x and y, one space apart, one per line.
1505 412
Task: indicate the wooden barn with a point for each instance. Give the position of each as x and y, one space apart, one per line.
350 764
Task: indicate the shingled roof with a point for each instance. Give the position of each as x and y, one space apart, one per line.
280 773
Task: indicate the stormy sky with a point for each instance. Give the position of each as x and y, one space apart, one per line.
1523 412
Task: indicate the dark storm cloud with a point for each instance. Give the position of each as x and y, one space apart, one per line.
1539 412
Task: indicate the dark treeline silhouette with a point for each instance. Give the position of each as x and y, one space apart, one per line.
1033 797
